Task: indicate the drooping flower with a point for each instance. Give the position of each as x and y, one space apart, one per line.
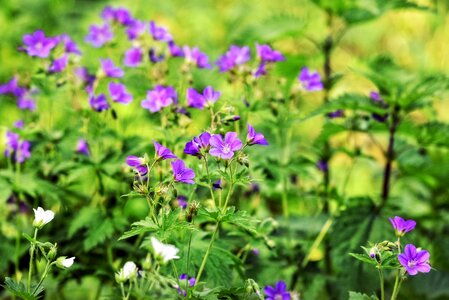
64 263
217 185
135 29
69 45
133 57
277 292
311 81
195 57
159 33
110 69
99 103
255 138
99 35
402 226
224 148
174 49
233 57
154 57
197 100
414 260
182 201
42 217
37 44
119 94
12 143
82 147
261 70
199 145
59 64
163 251
138 164
162 152
181 173
159 97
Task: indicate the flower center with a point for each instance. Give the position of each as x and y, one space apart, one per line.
278 297
226 149
411 263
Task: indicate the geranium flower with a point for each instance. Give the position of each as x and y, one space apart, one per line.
402 226
163 251
414 260
255 138
159 97
99 35
118 93
42 217
311 81
37 44
110 69
197 100
224 148
133 57
162 152
181 173
277 292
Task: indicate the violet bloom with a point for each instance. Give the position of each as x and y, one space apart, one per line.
37 44
159 97
336 114
197 100
322 165
133 57
110 69
138 164
255 138
266 54
199 145
119 94
19 124
99 35
99 103
311 81
84 75
20 149
82 147
154 57
12 143
375 96
162 152
120 15
224 148
174 49
159 33
69 45
414 260
261 70
195 57
217 185
59 64
9 87
182 202
191 282
25 102
181 173
23 152
234 57
135 29
402 226
277 292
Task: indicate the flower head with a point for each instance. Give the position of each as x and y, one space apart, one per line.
135 29
322 165
138 164
19 124
82 147
339 113
182 201
110 69
159 33
130 270
311 81
24 100
267 54
199 145
37 44
17 148
119 94
99 103
162 152
59 64
217 185
154 57
225 148
64 263
277 292
197 100
235 56
181 173
42 217
133 57
190 282
163 251
69 45
414 260
159 97
196 57
9 87
99 35
255 138
120 15
174 49
402 226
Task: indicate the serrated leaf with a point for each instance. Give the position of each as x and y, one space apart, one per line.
140 227
98 234
364 258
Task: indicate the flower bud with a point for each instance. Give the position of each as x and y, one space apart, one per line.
64 263
52 252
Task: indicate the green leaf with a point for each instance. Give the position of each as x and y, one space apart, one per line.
140 227
18 289
360 296
86 216
364 258
98 234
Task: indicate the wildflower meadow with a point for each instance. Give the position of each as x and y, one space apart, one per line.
224 149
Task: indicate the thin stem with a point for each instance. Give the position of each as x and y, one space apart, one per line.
203 263
382 284
30 271
47 268
123 291
317 241
397 285
209 179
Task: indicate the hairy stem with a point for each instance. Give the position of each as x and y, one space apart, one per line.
382 284
30 271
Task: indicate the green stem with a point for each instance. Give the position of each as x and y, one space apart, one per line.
397 285
209 179
30 271
317 241
47 268
382 284
203 263
122 288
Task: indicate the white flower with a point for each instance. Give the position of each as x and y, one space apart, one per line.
166 252
63 262
42 217
129 270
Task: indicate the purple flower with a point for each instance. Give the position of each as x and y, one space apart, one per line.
336 114
110 69
162 152
196 57
99 35
135 29
154 57
25 102
133 57
277 292
69 45
182 202
217 185
197 100
82 147
84 75
99 103
12 143
37 44
191 282
311 81
120 15
119 94
224 148
159 33
234 57
9 87
181 173
59 64
159 98
255 138
138 164
375 96
14 146
23 152
199 145
19 124
261 70
266 54
322 165
402 226
414 260
174 49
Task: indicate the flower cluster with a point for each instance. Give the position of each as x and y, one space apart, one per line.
23 95
16 148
